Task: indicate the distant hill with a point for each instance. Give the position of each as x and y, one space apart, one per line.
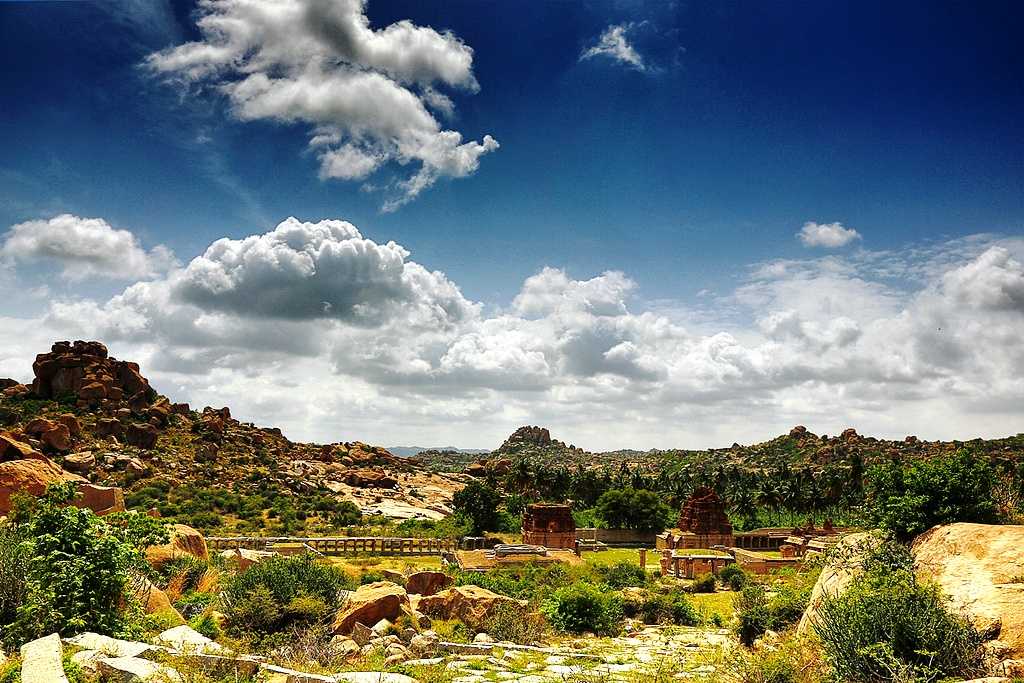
410 451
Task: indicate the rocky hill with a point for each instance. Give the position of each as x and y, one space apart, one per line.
93 419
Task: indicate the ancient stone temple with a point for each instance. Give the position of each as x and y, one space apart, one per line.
702 523
551 526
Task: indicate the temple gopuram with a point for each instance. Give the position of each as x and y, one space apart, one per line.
551 526
702 523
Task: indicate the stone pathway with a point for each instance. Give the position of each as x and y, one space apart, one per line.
683 653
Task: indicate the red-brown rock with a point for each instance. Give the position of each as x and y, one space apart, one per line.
108 426
184 541
26 476
369 604
427 582
15 449
470 604
142 435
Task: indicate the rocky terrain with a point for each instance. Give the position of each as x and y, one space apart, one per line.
93 419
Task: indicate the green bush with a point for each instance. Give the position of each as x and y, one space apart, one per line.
77 565
14 562
515 624
669 608
623 574
758 610
206 625
630 508
263 598
584 607
705 583
733 576
949 488
888 626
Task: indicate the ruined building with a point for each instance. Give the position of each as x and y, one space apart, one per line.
551 526
702 523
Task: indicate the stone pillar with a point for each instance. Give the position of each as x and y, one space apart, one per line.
643 558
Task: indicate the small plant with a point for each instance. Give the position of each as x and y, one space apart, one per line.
673 607
705 583
733 576
758 610
584 607
206 625
515 624
623 574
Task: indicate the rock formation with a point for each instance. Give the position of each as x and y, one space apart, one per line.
84 370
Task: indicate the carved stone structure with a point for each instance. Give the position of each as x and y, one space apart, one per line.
551 526
702 523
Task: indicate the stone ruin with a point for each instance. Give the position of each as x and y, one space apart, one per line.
551 526
702 523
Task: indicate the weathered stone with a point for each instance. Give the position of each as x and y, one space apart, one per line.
976 564
80 462
373 677
470 604
362 634
41 661
184 541
26 476
103 500
843 568
71 422
110 647
108 426
141 435
369 604
57 438
134 670
14 449
186 639
154 600
427 582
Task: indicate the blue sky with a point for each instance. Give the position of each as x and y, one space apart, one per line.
689 169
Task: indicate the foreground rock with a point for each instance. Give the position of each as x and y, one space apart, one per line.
980 566
843 568
369 604
186 639
427 582
134 670
30 476
471 604
41 661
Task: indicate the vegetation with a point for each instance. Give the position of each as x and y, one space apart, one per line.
478 502
72 569
584 607
889 626
281 592
759 609
631 508
909 500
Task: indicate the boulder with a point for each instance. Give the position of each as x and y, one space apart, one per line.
141 435
184 541
41 661
246 558
135 670
112 647
372 677
186 639
977 566
154 600
80 462
103 500
470 604
108 426
26 476
427 582
15 449
369 604
71 422
841 570
57 438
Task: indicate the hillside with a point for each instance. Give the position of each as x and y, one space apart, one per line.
100 420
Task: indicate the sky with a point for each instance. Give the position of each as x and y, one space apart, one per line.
640 224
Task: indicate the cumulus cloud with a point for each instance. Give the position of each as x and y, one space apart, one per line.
614 44
83 248
827 235
331 335
366 93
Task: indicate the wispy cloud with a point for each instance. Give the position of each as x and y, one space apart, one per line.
827 235
614 44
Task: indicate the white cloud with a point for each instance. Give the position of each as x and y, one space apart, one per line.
614 44
365 92
827 235
317 329
83 248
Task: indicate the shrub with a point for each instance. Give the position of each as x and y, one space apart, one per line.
705 583
263 598
887 626
515 624
206 625
583 607
623 574
346 513
951 488
758 610
734 576
631 508
78 565
13 574
669 608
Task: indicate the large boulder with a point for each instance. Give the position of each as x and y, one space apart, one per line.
26 476
369 604
184 541
103 500
843 567
154 600
427 582
41 661
15 449
470 604
981 567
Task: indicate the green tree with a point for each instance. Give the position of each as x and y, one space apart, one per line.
478 503
630 508
910 500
